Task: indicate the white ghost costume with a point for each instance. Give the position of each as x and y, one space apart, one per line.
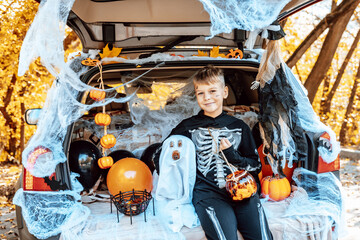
173 188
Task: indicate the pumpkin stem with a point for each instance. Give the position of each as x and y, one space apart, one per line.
280 171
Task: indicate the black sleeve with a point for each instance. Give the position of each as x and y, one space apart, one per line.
246 156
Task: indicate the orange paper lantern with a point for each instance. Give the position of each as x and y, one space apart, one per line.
108 141
97 95
105 162
128 174
276 188
102 119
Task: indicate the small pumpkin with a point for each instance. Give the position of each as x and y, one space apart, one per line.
97 95
102 119
108 141
276 187
105 162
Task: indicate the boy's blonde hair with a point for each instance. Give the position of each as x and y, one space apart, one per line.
209 75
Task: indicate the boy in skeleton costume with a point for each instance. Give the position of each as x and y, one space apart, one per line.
211 130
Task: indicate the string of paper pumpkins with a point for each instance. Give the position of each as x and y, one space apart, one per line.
103 119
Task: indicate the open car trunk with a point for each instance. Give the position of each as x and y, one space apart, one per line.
135 24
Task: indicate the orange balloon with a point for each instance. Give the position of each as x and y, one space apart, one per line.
128 174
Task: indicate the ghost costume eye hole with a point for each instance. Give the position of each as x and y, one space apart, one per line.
171 144
176 155
179 143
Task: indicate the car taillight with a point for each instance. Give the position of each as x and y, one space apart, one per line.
31 183
324 141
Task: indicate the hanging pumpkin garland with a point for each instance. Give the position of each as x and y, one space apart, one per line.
97 95
103 119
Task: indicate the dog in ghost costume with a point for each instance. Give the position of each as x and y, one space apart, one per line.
173 189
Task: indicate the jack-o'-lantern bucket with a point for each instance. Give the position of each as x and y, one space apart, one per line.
240 185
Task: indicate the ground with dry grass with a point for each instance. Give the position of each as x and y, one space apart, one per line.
349 174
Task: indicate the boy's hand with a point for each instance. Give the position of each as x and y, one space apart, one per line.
224 144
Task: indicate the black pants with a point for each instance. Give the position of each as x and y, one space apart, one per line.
221 218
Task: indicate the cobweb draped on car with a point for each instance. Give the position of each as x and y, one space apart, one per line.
226 15
314 211
47 214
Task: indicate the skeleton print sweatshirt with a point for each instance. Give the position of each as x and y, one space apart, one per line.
206 132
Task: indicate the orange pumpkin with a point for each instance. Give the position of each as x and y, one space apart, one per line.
276 188
105 162
102 119
108 141
97 95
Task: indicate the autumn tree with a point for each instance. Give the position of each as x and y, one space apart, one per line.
325 61
19 93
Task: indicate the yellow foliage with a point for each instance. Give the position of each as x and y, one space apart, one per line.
202 54
214 52
294 38
28 91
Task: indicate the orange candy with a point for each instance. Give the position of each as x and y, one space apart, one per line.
128 174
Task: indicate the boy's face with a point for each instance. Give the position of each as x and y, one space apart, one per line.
210 98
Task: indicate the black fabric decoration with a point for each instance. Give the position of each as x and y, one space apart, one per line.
276 99
276 35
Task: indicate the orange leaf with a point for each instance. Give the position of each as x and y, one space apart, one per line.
201 54
214 52
110 53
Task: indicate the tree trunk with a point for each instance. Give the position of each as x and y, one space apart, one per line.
22 126
349 108
324 101
339 11
327 52
331 94
11 148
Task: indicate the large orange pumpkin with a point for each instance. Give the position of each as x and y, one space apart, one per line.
97 95
108 141
266 168
276 188
105 162
102 119
128 174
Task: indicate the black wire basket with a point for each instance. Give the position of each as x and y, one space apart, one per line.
132 203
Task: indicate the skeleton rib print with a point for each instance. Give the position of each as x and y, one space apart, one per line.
208 157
